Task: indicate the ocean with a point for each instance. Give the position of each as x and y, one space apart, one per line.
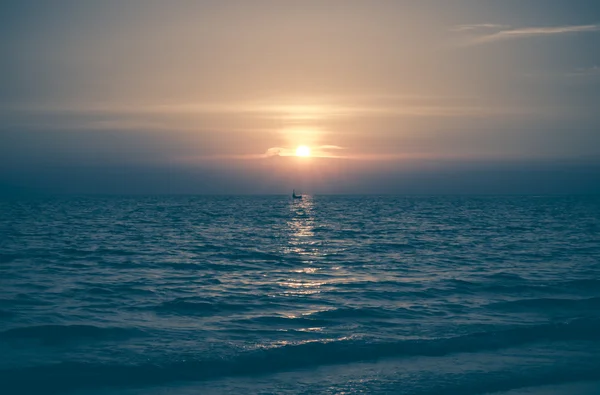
324 295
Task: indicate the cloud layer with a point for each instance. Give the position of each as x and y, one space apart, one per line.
505 32
321 151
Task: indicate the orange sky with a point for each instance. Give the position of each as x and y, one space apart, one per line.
187 83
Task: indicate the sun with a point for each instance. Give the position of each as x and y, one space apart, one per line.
303 150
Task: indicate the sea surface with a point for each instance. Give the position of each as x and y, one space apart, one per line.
327 295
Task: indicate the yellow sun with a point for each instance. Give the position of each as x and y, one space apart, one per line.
303 150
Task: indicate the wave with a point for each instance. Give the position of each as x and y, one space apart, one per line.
548 304
458 283
508 283
329 317
532 381
370 284
91 291
250 255
505 276
349 312
67 376
62 334
22 300
517 289
279 321
193 306
392 246
583 284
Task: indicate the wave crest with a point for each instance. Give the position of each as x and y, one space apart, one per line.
76 375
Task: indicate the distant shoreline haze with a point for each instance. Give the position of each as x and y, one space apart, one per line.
258 178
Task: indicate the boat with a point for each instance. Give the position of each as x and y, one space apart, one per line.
294 196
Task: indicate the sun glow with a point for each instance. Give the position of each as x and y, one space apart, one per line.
303 150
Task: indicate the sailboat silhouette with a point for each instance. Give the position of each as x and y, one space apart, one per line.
294 196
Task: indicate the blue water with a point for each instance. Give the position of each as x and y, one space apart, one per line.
331 294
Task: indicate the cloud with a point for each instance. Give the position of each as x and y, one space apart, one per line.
328 147
321 151
585 72
479 26
259 115
507 33
278 151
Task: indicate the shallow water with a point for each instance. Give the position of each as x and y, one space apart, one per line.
331 294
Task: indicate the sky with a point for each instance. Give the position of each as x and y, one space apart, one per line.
214 97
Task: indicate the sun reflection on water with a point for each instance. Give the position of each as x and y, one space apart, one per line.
303 245
301 226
